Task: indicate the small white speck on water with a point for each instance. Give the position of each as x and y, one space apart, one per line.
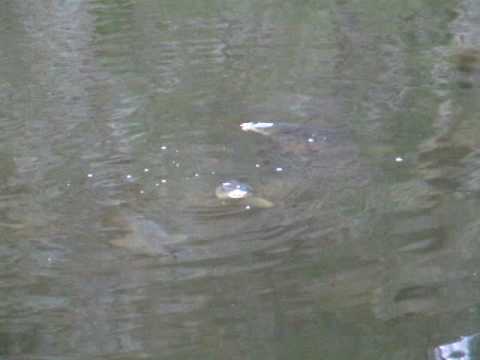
157 184
247 207
163 147
177 165
89 175
398 159
146 170
50 260
129 177
257 165
279 169
196 175
68 184
142 192
212 172
163 181
311 140
176 151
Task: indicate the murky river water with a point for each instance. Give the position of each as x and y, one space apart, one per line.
119 118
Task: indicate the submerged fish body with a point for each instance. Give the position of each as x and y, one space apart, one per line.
258 202
145 236
307 152
299 134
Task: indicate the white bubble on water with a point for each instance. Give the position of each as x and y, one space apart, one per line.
247 207
311 140
89 175
164 181
146 170
257 165
278 169
163 147
398 159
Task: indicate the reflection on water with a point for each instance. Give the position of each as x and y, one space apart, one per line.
119 119
466 347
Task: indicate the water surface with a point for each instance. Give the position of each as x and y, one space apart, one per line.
118 119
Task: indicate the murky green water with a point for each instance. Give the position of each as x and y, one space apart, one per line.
119 118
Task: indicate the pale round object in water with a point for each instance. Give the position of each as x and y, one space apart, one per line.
233 189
